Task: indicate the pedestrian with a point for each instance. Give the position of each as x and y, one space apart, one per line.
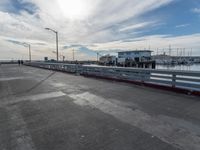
22 62
19 62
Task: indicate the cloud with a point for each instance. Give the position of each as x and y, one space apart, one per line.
137 26
23 43
182 25
196 10
72 46
155 42
80 52
107 25
103 15
16 42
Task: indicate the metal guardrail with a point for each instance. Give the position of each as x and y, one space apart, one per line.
189 80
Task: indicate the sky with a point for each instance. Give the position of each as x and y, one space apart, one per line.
103 26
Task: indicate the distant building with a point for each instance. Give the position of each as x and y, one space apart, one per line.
137 56
137 59
45 58
107 60
196 59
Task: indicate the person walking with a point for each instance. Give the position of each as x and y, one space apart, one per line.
19 62
22 62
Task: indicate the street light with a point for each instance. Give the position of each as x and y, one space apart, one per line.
56 40
29 48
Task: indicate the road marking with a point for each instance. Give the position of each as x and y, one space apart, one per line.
43 96
170 130
58 85
35 97
12 78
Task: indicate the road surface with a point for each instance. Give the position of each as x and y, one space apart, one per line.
47 110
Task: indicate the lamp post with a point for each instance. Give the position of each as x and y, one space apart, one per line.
56 41
29 49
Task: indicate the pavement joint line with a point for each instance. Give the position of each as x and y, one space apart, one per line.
36 97
12 78
167 129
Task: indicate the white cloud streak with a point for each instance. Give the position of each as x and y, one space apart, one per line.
156 42
196 10
182 25
137 26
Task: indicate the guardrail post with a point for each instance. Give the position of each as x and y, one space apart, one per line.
77 70
173 80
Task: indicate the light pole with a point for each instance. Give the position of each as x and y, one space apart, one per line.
29 49
73 54
56 32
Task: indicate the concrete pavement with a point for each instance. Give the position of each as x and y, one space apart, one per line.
46 110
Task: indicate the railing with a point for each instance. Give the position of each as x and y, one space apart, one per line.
189 80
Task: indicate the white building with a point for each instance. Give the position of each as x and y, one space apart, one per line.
137 56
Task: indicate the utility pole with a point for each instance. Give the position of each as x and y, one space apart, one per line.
73 54
180 52
170 50
57 45
29 47
97 56
177 52
184 52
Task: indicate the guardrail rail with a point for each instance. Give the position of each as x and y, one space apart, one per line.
185 80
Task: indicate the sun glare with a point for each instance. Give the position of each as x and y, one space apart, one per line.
74 9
